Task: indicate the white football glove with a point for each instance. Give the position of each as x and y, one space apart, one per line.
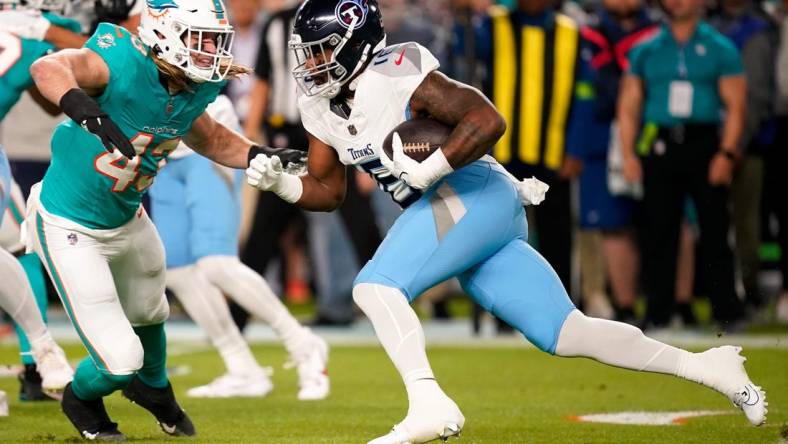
24 23
418 175
266 174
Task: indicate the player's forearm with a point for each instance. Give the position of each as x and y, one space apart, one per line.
63 38
320 196
49 107
224 146
53 77
477 124
473 136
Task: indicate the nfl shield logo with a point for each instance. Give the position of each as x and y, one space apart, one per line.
352 130
72 239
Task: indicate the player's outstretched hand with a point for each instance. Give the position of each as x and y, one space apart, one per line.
111 136
264 173
267 174
86 112
418 175
24 23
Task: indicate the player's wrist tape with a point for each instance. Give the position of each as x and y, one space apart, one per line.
436 166
254 150
79 106
289 188
286 155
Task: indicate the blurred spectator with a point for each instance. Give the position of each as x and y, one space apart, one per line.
278 230
531 54
245 15
621 25
467 16
682 79
273 113
780 157
405 23
737 20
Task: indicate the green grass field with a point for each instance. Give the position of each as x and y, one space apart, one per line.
508 395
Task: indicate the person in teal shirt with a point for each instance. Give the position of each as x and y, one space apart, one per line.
26 35
664 64
130 100
688 81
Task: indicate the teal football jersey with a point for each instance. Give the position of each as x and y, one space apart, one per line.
16 56
102 190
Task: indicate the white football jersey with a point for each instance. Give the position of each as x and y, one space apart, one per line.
381 102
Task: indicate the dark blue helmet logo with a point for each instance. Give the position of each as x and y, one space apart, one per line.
349 9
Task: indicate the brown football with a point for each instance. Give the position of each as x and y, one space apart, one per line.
420 137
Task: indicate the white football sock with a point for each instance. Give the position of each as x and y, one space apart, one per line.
208 308
621 345
17 299
252 292
399 331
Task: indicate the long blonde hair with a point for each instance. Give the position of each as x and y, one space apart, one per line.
179 80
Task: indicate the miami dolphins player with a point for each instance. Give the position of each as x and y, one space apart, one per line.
130 101
23 33
196 209
463 216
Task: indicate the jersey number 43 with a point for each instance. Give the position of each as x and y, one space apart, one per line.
125 172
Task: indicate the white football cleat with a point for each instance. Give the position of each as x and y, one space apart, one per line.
431 420
725 373
311 362
252 385
52 365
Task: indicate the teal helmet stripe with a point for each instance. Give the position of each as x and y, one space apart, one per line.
161 4
219 9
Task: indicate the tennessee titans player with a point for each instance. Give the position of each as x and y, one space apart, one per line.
463 215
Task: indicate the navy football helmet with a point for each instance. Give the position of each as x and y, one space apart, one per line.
333 40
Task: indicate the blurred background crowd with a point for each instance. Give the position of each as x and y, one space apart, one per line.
663 141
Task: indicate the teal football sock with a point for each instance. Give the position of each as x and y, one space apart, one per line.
91 383
154 366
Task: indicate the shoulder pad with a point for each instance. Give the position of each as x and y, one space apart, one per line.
114 39
406 59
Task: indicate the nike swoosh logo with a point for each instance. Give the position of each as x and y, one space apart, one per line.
169 429
401 56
